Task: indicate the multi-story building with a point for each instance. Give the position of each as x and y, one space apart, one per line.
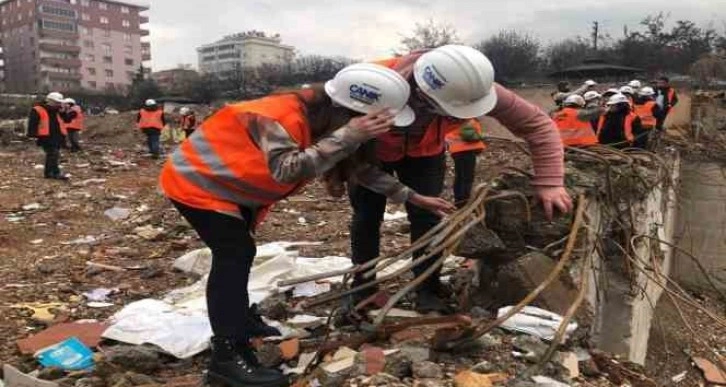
175 81
70 44
246 49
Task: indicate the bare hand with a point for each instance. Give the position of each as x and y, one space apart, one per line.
436 205
372 124
554 197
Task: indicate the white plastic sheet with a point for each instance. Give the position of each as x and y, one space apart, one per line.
535 321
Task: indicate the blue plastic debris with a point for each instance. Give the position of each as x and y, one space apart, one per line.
70 354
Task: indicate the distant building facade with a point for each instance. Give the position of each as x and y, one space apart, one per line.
70 44
174 81
247 49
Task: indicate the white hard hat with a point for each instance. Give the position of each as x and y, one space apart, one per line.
70 101
55 97
611 91
591 95
150 102
184 111
367 87
626 90
459 79
647 91
590 82
618 98
635 84
575 99
305 86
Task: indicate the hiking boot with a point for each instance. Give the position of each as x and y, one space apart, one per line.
230 367
258 327
428 301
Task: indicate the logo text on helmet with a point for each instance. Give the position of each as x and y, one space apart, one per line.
365 93
433 78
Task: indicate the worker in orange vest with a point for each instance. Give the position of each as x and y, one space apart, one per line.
451 84
188 121
575 127
151 121
666 98
46 125
74 121
648 111
464 145
249 156
617 127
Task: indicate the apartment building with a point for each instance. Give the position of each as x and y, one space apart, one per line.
246 49
70 44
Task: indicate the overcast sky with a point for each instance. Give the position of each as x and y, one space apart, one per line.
371 28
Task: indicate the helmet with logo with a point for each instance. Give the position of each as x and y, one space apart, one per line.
367 87
574 100
591 95
459 79
55 97
618 99
647 91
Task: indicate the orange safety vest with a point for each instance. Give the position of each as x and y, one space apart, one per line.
645 112
573 131
671 95
44 122
151 119
78 123
188 122
456 144
393 146
221 167
628 129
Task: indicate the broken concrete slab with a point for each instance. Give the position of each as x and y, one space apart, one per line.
88 332
427 370
480 243
133 358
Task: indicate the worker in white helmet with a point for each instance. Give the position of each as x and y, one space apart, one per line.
562 93
648 110
619 125
187 121
46 125
575 128
594 108
74 120
450 84
151 120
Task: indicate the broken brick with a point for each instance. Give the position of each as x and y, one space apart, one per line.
711 372
374 360
471 379
88 333
290 349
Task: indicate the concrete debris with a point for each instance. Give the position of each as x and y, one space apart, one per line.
536 322
680 377
14 378
305 321
148 232
544 381
51 373
427 370
570 362
270 355
32 206
134 358
531 348
117 213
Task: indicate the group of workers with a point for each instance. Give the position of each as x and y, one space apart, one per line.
56 123
619 117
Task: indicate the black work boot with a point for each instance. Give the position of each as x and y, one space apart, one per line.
257 327
230 368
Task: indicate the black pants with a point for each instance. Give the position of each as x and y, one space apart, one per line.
464 170
424 175
153 141
52 159
233 251
74 136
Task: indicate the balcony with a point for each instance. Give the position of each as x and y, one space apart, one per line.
54 76
59 48
143 19
61 62
145 56
49 33
144 32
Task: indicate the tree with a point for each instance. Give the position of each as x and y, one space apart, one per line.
142 88
514 55
205 89
569 52
430 34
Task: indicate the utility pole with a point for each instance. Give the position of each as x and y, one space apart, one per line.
595 33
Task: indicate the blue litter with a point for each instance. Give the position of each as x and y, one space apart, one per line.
70 354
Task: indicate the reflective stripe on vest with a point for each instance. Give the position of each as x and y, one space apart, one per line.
151 119
78 122
627 130
573 131
456 144
221 166
645 112
44 122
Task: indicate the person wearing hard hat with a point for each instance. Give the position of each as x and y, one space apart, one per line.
46 125
575 128
648 110
450 84
628 92
593 108
464 145
609 93
666 98
249 156
151 120
188 121
617 127
560 96
74 123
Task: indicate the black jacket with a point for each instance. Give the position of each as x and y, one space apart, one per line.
55 137
613 130
669 103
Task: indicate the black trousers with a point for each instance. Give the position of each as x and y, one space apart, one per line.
52 159
153 140
424 175
233 251
74 136
464 170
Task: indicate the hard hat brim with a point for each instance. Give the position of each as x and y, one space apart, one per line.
475 109
405 117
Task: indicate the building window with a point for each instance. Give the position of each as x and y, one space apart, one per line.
57 11
90 58
85 17
104 19
125 23
86 3
124 9
108 59
127 37
92 84
129 62
91 71
88 43
56 25
102 5
109 73
106 49
128 50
